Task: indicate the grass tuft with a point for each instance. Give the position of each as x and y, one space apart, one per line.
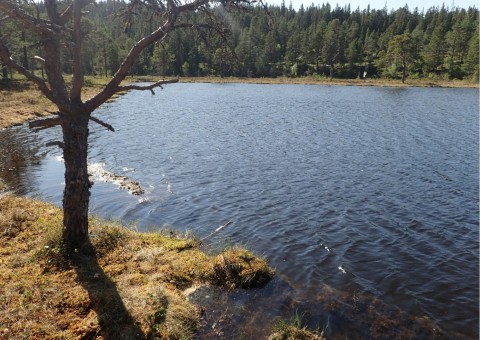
238 267
292 330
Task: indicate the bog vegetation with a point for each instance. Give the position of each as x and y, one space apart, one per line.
436 43
128 286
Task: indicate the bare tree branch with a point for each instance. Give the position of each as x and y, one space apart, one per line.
77 81
66 15
102 123
147 87
51 7
36 25
172 12
112 87
6 57
41 124
68 12
55 143
190 6
38 58
52 44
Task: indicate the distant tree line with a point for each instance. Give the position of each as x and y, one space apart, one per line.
280 41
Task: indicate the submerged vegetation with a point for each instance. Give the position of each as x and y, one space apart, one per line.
292 330
123 284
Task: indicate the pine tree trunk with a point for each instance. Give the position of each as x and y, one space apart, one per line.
77 186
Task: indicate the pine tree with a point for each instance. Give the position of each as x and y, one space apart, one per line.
332 44
401 52
471 65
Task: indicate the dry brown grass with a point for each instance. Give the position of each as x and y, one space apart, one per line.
317 80
130 285
20 100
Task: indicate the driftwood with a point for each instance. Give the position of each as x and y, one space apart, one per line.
124 182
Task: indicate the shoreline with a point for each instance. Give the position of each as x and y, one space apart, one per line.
21 101
312 80
146 282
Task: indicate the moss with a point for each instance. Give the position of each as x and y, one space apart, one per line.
129 286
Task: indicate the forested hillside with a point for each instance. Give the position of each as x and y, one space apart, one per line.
280 41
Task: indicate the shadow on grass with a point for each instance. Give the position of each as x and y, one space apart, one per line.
16 85
114 319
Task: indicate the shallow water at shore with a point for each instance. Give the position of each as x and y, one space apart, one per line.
366 195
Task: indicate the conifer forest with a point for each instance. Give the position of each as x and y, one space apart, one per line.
272 41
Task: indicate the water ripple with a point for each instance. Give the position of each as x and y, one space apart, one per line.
360 193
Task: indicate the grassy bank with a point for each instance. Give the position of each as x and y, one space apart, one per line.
317 80
21 101
128 285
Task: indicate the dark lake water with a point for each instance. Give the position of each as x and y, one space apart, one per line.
364 199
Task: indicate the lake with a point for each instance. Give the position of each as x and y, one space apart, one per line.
365 199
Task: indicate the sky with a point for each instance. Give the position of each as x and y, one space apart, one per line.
380 4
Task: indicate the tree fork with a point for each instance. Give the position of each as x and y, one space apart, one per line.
74 113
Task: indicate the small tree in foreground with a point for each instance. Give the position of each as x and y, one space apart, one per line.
57 26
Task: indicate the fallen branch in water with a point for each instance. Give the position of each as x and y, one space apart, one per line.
215 231
124 182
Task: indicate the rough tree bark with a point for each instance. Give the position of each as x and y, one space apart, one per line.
73 113
77 186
